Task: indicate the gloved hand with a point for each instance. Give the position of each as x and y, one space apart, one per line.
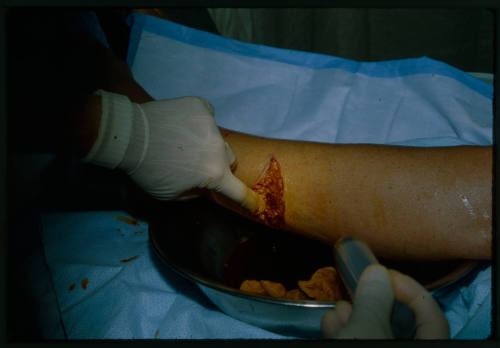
369 316
168 147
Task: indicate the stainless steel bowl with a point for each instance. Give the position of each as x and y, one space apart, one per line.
218 249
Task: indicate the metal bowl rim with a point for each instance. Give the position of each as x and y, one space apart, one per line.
466 268
197 278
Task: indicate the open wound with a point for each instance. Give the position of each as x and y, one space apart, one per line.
270 187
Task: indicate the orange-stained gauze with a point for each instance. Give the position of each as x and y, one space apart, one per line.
270 186
324 285
253 287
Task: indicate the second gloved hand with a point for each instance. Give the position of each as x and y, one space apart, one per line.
168 147
369 316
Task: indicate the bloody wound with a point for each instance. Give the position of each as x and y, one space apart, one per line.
270 186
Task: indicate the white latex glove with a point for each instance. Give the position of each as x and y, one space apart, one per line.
369 316
168 147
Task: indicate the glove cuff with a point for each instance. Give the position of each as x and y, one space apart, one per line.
115 128
139 141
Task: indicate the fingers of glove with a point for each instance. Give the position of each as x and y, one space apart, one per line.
183 148
228 185
372 306
233 188
333 321
189 194
431 322
202 105
209 106
231 158
179 108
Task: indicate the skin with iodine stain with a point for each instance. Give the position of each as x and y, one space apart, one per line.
467 205
480 218
378 211
329 192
